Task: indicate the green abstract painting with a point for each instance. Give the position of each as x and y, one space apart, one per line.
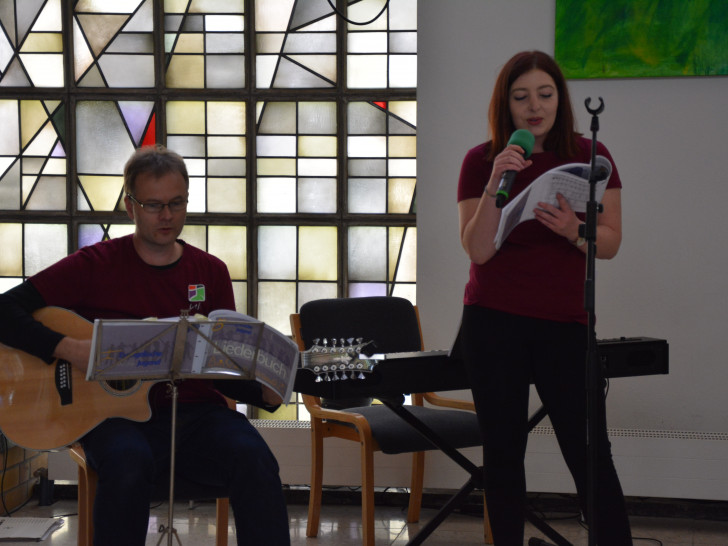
641 38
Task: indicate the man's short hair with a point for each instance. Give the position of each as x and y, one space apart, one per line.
157 160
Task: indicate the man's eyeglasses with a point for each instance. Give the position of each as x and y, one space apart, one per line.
177 205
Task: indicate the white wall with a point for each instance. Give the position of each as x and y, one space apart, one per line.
667 138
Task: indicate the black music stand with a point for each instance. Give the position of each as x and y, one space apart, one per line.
142 350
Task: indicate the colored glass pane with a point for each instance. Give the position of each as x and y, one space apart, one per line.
276 302
44 244
276 195
277 252
11 258
317 195
229 243
226 195
367 253
317 253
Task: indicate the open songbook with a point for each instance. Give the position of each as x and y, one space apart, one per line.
226 344
570 180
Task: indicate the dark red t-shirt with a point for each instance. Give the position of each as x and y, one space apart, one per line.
109 280
535 273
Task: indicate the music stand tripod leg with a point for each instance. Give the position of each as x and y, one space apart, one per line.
169 529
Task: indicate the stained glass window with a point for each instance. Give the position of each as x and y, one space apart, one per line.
297 124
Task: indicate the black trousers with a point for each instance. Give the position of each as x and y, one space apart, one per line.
503 354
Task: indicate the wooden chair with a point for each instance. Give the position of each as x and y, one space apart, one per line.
87 480
393 324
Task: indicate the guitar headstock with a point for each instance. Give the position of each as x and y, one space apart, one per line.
337 359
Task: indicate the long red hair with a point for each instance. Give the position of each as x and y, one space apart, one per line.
562 137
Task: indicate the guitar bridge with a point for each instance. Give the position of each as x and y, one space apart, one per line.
63 382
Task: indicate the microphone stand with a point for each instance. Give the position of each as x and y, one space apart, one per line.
588 231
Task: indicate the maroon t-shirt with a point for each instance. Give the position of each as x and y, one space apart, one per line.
109 280
535 273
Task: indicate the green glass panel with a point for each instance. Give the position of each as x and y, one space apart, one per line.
44 244
277 252
276 195
276 303
11 258
317 146
367 253
317 118
317 253
226 195
367 195
229 243
317 195
400 195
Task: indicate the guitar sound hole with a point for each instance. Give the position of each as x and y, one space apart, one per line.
121 386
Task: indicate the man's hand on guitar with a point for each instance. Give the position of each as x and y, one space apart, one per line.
75 351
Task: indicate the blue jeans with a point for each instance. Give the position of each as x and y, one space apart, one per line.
215 446
503 353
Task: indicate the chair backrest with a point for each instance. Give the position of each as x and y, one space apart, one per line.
391 323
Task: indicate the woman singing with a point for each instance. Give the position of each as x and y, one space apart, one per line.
524 319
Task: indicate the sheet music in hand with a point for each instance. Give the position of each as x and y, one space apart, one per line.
226 344
570 180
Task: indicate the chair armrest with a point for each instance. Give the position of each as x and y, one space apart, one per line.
313 405
454 403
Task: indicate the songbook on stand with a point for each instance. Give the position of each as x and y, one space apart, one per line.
28 529
570 180
226 344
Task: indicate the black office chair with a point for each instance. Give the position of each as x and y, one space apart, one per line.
393 326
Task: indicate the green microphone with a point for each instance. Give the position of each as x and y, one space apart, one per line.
526 140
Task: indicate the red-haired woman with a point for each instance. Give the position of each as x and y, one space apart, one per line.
524 319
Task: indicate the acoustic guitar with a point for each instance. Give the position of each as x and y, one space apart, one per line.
47 407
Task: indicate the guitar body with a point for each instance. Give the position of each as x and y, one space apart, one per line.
31 412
